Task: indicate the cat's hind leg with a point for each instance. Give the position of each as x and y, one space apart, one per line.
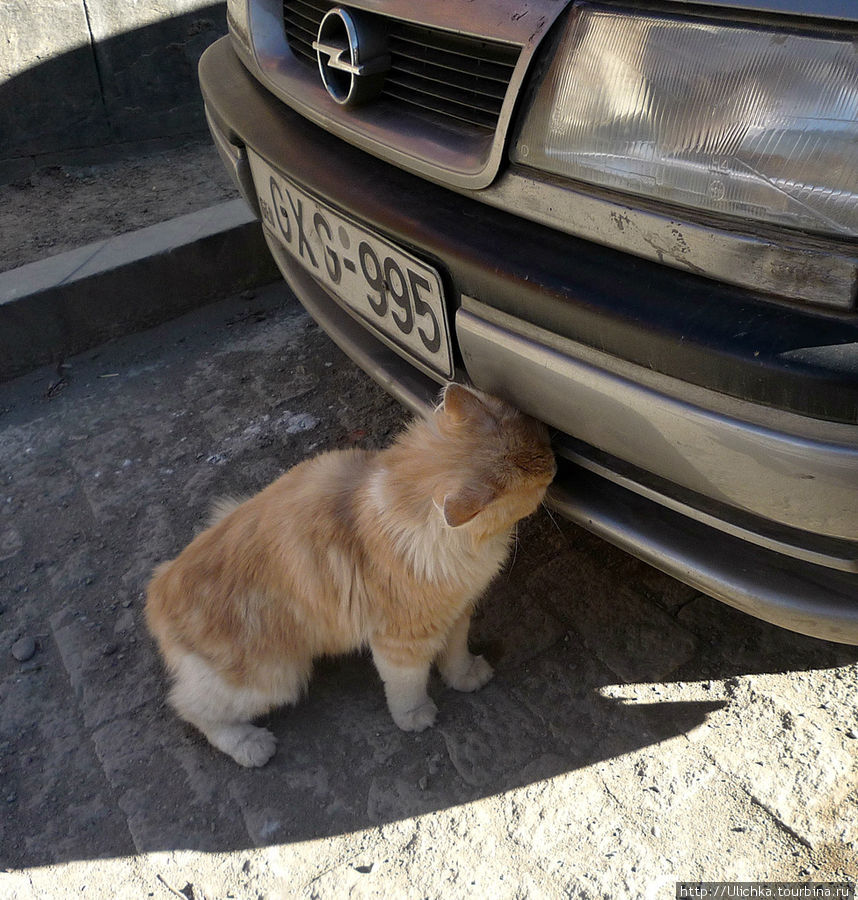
222 712
458 666
249 745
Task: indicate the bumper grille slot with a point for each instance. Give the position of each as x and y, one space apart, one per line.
446 76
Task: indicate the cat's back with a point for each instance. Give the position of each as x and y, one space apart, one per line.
282 537
322 485
270 544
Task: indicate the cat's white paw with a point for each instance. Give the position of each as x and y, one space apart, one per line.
417 719
471 676
252 746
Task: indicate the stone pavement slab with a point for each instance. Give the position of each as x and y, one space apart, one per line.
635 733
63 304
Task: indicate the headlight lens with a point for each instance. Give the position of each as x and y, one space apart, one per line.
745 121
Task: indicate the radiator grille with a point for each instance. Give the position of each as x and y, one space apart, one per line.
445 75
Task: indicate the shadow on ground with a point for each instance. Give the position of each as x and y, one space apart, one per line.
108 466
118 93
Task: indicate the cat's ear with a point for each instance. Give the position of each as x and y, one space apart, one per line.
462 405
466 503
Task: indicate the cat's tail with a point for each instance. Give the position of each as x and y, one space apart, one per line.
155 611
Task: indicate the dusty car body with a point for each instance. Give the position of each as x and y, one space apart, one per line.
637 223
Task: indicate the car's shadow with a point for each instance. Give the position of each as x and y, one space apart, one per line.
567 627
596 654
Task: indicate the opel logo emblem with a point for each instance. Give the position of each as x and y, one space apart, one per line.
352 55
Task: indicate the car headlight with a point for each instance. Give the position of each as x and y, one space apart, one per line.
236 18
747 121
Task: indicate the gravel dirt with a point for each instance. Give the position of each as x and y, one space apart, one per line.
62 207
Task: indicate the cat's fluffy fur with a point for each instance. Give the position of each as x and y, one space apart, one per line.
388 549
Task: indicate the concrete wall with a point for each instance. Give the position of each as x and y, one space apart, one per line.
89 78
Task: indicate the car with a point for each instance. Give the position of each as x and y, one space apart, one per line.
636 222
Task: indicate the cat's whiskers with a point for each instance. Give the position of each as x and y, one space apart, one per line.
514 548
553 520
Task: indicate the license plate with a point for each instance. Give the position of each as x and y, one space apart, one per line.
391 291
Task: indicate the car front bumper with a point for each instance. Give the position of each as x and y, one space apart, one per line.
736 474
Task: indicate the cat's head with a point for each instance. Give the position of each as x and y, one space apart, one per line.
503 461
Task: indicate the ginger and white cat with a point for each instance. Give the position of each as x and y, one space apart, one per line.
388 549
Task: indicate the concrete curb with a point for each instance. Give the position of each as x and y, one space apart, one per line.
56 307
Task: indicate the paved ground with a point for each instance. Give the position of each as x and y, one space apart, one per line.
635 734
